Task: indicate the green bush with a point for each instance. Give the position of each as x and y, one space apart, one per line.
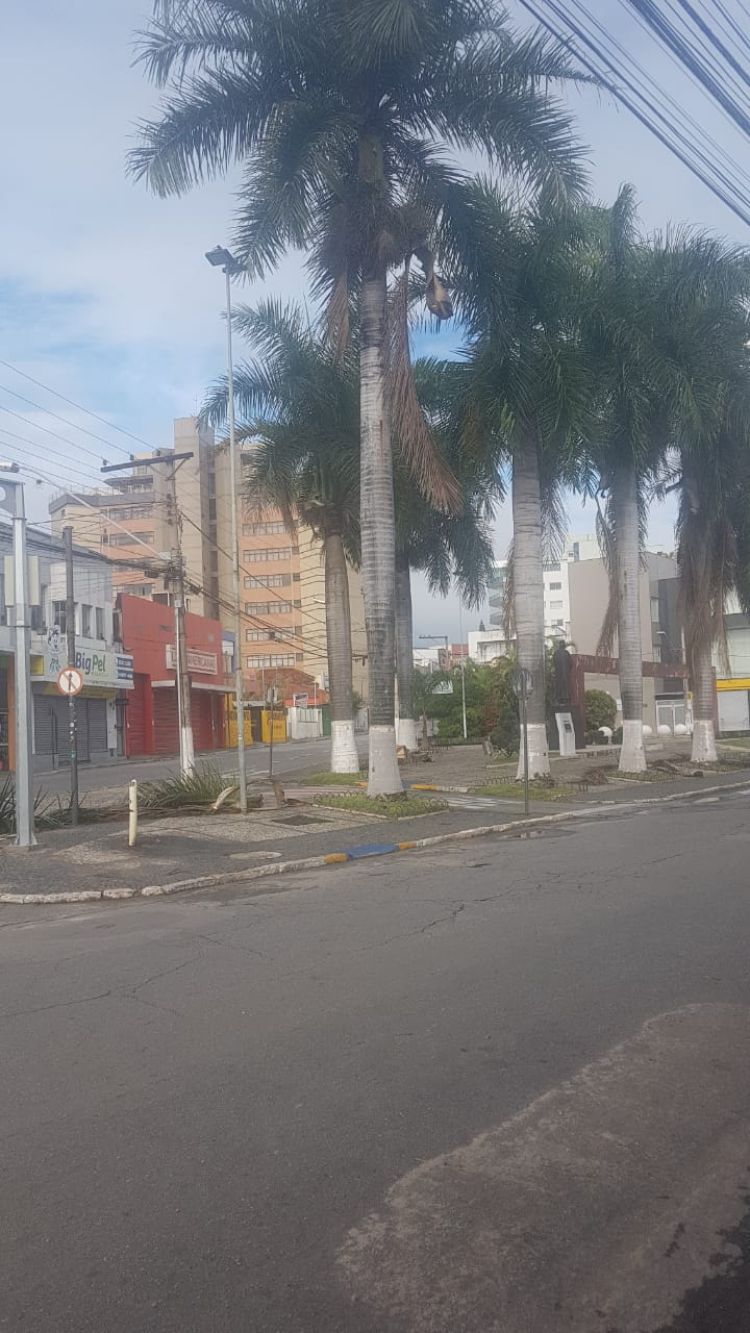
601 710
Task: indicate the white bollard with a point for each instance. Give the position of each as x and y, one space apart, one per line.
132 812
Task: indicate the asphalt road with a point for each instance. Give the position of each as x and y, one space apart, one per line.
289 757
498 1089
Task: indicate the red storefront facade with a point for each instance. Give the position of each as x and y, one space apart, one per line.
151 724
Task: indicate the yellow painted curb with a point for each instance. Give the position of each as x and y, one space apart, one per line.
335 858
424 786
406 846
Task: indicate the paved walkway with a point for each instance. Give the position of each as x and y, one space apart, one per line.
95 857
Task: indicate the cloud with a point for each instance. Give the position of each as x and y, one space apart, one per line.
104 290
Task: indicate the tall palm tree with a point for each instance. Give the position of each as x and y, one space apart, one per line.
632 436
528 399
668 328
301 414
446 547
702 290
341 114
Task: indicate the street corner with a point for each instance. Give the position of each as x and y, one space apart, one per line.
599 1205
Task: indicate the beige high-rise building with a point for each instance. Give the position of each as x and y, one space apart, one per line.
282 592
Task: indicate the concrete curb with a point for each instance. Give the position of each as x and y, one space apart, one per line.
355 853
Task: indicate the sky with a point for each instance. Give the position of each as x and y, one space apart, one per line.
105 294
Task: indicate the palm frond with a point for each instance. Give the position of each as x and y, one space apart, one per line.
424 460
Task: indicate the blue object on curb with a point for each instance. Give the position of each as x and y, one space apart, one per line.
371 849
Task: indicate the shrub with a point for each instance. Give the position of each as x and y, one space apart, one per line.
201 787
601 710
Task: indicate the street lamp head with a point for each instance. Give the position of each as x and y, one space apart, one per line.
220 257
7 466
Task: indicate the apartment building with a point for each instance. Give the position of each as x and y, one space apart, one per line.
131 520
557 624
282 591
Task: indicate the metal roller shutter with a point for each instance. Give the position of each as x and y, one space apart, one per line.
96 710
166 732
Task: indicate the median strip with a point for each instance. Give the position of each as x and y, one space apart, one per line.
361 852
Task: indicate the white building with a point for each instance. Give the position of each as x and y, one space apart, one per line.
556 586
485 645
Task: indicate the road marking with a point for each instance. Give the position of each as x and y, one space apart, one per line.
596 1207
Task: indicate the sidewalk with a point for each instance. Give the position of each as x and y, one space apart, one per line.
95 859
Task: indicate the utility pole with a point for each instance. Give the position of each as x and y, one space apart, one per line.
222 258
463 668
176 577
182 673
70 631
11 500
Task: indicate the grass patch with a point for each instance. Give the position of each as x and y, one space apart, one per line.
514 791
334 779
392 807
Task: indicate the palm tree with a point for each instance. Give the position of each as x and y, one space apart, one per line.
301 414
341 115
446 547
528 399
667 329
632 436
701 299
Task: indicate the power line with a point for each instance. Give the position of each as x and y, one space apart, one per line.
79 406
611 75
48 412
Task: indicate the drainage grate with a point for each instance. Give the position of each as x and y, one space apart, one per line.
301 819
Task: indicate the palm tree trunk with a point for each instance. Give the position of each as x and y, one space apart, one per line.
344 757
378 527
407 724
630 649
702 679
528 599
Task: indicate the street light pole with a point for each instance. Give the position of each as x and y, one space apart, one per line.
221 257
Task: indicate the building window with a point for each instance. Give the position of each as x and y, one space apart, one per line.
271 660
59 617
555 587
268 608
126 539
85 621
273 529
555 606
100 632
654 610
270 581
128 512
268 554
258 635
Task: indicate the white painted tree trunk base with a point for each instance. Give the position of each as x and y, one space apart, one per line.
344 757
407 733
704 743
538 752
633 752
187 750
384 777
